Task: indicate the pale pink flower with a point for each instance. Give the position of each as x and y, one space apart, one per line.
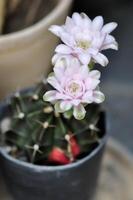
75 87
85 38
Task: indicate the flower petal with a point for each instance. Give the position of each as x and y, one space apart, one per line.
56 30
69 23
50 96
84 58
67 39
97 23
98 97
108 28
108 39
55 58
76 102
62 96
79 112
63 49
88 97
84 71
65 105
74 63
53 81
91 84
95 74
58 58
109 43
77 18
111 46
101 59
86 21
59 69
57 107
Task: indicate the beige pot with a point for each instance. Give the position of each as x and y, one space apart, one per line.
25 56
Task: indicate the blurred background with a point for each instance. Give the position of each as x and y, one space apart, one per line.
117 77
27 46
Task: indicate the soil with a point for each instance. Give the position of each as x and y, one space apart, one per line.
23 13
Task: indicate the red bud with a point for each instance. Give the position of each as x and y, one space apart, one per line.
75 148
57 155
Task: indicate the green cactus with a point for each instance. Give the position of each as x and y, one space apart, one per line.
35 129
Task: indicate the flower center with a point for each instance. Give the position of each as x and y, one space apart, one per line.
75 88
83 44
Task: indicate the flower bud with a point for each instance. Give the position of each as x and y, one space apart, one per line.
75 148
57 155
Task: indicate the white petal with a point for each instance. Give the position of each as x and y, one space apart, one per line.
85 59
101 59
84 71
108 28
56 29
109 39
61 63
77 18
113 45
59 69
86 20
79 112
87 98
57 107
97 23
109 43
67 39
76 102
93 51
95 74
69 24
50 96
74 62
98 41
91 83
54 82
72 66
55 58
98 97
84 16
63 49
63 96
58 59
65 106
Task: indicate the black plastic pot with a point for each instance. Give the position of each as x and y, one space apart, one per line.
76 181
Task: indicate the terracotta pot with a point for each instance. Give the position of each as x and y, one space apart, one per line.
25 56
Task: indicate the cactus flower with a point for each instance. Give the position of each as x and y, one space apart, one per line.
85 38
75 86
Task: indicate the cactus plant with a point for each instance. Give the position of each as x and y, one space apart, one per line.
60 124
37 134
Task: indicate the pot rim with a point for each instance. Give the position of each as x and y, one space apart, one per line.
57 10
55 168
